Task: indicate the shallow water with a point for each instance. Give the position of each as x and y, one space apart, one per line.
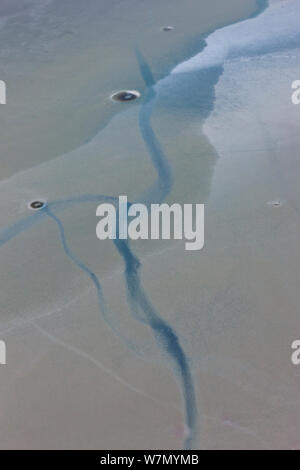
217 316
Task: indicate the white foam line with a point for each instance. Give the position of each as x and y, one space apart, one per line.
279 22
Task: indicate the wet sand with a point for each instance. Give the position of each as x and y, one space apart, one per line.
62 61
76 379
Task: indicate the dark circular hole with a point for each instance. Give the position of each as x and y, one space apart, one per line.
275 203
36 205
125 95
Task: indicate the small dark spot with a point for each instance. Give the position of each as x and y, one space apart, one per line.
125 95
275 203
37 205
167 28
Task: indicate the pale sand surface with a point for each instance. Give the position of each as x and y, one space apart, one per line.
71 381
